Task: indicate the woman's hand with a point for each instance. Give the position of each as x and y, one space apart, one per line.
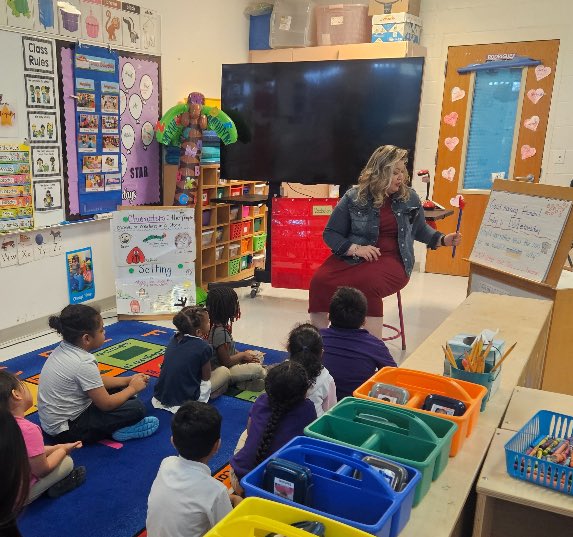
370 253
453 239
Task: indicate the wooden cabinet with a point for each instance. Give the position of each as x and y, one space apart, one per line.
230 237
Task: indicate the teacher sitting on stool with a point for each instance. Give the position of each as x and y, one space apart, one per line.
371 233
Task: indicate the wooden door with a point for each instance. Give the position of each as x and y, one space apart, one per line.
528 138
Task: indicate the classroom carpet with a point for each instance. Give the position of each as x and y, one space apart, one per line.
113 501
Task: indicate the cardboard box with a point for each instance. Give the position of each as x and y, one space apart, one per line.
396 27
381 7
365 51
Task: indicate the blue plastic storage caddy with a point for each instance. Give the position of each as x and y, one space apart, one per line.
259 31
419 440
529 468
367 503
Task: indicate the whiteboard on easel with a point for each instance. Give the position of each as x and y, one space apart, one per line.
520 233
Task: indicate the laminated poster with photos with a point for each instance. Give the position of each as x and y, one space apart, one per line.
96 84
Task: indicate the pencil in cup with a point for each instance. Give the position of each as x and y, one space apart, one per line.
505 355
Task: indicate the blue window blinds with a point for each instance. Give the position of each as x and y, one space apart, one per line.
492 126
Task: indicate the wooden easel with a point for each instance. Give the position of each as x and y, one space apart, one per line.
557 286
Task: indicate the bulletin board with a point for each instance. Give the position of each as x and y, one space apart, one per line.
140 108
526 231
32 105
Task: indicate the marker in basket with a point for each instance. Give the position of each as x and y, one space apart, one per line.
505 355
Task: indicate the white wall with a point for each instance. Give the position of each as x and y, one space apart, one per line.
465 22
197 37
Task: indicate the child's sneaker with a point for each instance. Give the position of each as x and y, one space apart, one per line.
72 481
146 427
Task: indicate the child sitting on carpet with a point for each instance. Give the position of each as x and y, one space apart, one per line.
305 347
229 366
351 353
186 370
75 402
184 498
52 468
276 417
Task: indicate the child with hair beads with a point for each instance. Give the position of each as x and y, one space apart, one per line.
186 370
351 353
185 501
229 366
305 347
276 417
52 469
76 402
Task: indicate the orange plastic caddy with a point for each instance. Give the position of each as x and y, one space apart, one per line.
420 384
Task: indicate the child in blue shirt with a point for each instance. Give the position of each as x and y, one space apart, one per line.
186 370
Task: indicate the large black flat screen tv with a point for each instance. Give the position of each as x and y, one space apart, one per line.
318 122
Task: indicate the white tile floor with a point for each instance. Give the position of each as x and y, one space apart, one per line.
267 319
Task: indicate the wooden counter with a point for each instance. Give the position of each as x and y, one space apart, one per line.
524 320
512 507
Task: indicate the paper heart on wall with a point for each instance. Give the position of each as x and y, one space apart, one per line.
531 123
541 71
457 93
449 173
451 143
451 119
527 151
534 95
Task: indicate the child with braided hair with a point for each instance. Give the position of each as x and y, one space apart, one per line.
305 347
186 371
228 366
276 417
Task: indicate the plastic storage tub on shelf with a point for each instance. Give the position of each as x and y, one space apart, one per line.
234 266
220 232
219 253
420 385
545 473
236 191
259 242
259 29
246 262
235 230
247 227
366 501
245 245
234 249
255 517
259 261
207 237
407 437
246 211
257 224
342 24
206 218
292 24
234 212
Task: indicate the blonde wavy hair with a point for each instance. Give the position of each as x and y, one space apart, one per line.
376 176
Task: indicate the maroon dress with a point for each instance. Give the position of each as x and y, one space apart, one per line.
376 279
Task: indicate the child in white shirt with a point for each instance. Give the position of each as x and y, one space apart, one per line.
185 501
305 347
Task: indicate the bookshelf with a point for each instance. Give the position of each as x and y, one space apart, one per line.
230 238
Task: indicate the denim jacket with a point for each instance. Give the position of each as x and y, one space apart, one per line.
355 223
